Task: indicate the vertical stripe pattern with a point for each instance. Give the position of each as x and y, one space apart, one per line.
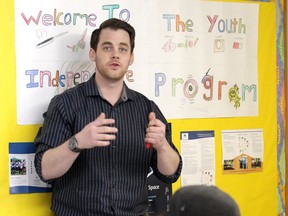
103 180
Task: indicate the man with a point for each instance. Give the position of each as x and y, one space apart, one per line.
92 143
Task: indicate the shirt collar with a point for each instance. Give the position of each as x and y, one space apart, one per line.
91 89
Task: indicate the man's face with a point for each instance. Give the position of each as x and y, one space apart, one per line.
113 54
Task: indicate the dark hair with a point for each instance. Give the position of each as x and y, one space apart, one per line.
114 24
200 200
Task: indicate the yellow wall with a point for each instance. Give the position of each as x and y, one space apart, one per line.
255 192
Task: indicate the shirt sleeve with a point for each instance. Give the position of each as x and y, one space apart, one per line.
172 178
54 132
40 149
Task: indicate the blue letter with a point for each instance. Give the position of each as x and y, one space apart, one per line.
160 80
32 74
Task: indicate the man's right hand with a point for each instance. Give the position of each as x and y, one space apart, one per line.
98 133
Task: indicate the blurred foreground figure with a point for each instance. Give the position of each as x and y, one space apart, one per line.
202 200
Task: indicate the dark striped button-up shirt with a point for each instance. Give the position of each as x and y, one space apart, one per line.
103 180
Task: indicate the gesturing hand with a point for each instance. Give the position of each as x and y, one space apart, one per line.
97 133
155 132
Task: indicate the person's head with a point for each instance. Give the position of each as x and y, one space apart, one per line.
200 200
114 24
111 49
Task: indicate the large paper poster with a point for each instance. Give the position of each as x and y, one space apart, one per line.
194 59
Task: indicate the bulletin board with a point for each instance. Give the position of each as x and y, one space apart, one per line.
256 193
